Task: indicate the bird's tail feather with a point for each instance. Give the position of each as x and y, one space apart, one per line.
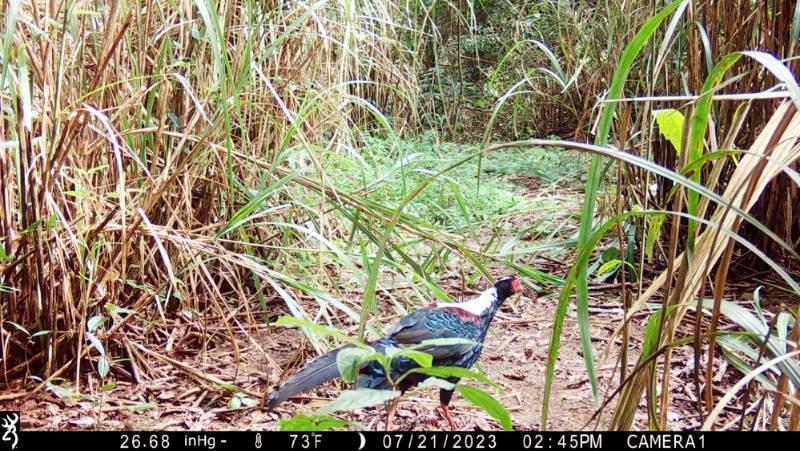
317 372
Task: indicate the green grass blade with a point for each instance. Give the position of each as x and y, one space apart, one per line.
488 403
587 215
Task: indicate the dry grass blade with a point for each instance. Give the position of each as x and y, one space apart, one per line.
712 417
197 374
779 141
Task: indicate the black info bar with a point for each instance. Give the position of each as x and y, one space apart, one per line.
356 441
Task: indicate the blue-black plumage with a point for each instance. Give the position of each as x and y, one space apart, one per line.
468 320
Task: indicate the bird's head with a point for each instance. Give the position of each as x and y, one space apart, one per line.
507 286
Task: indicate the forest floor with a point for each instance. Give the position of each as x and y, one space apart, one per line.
183 389
514 357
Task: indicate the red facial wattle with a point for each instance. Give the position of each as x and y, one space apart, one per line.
516 286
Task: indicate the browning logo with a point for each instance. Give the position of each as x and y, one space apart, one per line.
9 424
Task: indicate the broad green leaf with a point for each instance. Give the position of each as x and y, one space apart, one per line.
611 253
486 402
445 372
4 257
349 360
651 334
316 423
95 322
423 359
63 392
435 382
608 267
738 363
102 367
142 407
111 308
96 343
230 387
235 403
670 124
357 399
653 230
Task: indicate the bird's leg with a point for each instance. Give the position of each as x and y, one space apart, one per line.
449 417
444 400
390 414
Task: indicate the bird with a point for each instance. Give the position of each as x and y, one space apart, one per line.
468 320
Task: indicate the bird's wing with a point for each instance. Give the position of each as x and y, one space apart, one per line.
438 322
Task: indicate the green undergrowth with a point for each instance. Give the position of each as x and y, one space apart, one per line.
474 195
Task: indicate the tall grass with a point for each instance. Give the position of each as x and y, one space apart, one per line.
170 162
742 180
204 162
150 154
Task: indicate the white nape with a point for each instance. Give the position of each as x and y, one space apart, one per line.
477 305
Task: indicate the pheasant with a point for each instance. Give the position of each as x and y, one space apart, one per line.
467 320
